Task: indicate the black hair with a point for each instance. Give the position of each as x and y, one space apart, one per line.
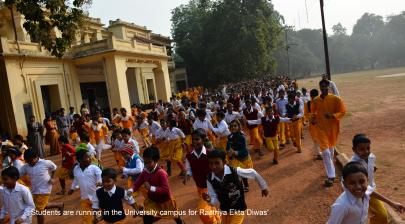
220 114
14 150
201 113
85 137
193 104
217 153
30 154
123 109
291 95
152 153
126 131
76 116
353 167
18 137
11 172
80 154
324 82
63 139
109 173
200 133
173 123
314 93
360 138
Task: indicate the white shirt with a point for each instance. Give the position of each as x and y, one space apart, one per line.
188 166
222 129
17 203
255 106
205 124
162 134
87 181
133 171
348 209
244 173
18 164
229 117
259 121
117 144
175 133
333 88
153 128
281 106
127 197
91 150
39 175
370 165
134 143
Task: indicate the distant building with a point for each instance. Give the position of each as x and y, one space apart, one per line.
116 66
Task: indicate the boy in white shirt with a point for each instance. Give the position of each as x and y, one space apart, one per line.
363 155
231 115
16 199
88 178
352 205
41 173
126 137
221 130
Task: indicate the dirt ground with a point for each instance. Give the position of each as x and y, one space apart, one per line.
375 107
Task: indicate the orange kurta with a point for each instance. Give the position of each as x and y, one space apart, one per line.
127 122
311 127
327 129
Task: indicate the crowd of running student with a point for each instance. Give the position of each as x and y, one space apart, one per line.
205 135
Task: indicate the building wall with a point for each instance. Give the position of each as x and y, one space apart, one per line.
26 77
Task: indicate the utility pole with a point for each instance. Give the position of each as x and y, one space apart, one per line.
325 42
287 47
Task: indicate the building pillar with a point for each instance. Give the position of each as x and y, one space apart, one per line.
162 80
117 82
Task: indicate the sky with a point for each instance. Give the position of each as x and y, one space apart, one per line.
156 14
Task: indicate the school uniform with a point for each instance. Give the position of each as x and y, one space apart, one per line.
153 128
40 186
283 131
87 180
237 142
206 125
163 145
143 128
348 209
65 171
186 126
296 125
17 204
197 167
228 191
222 132
175 137
159 197
229 117
133 168
270 127
253 114
376 207
110 202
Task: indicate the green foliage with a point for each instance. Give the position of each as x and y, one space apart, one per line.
44 17
226 40
374 43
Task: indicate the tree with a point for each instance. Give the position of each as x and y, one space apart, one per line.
227 40
43 18
339 30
